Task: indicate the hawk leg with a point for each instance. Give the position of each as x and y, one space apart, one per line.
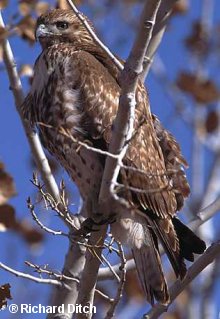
90 225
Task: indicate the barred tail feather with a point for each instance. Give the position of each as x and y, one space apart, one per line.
143 243
148 265
189 243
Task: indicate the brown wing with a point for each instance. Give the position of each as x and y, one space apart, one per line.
152 150
100 93
174 162
172 157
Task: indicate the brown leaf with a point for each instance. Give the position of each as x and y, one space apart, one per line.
180 7
26 28
198 40
212 121
63 4
4 295
7 217
41 7
203 90
26 70
29 233
26 6
7 187
3 4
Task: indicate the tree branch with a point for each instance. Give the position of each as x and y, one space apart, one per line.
33 139
163 15
75 257
201 263
111 311
33 278
94 36
123 125
123 128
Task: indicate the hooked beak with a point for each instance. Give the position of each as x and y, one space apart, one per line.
41 31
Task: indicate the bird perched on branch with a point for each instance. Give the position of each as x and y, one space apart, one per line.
73 100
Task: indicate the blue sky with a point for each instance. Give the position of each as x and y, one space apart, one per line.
14 150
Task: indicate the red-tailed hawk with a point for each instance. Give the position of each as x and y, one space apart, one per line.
76 89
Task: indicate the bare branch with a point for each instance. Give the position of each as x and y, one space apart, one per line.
110 268
201 263
60 208
33 139
75 258
94 36
123 130
111 311
33 278
73 267
123 126
163 15
84 144
61 277
42 226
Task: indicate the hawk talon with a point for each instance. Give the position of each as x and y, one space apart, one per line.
88 224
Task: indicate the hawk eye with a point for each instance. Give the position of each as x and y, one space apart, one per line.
62 25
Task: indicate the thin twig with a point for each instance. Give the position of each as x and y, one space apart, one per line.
68 134
144 191
110 268
60 208
123 125
33 278
163 15
33 139
61 277
42 226
111 311
94 36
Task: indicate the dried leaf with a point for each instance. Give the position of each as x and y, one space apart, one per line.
198 40
204 91
180 7
24 8
41 8
26 28
7 217
3 4
26 70
4 295
63 4
7 187
30 234
212 122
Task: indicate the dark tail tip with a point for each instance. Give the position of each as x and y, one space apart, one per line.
190 243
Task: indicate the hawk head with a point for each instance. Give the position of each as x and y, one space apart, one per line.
58 26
